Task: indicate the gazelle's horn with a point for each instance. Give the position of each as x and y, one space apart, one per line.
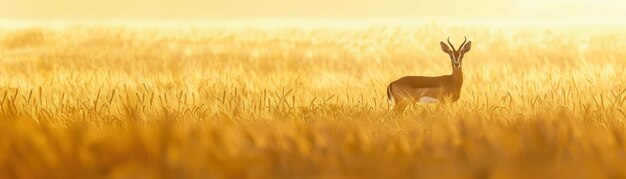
451 44
463 42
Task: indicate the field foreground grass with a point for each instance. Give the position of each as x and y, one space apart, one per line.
293 102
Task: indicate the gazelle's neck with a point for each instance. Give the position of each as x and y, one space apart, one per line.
457 76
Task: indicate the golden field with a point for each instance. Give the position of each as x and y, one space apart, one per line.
119 101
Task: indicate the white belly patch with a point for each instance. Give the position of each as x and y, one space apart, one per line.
427 99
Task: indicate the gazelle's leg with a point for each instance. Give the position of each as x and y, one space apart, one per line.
401 105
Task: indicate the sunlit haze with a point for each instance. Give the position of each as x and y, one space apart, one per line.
97 10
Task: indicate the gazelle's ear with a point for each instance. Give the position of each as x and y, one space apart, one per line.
467 47
444 47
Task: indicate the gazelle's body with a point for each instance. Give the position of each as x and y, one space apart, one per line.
424 89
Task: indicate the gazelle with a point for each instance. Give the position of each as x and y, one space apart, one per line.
426 89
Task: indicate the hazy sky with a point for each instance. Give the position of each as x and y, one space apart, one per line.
315 9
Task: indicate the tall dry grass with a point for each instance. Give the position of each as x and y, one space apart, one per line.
290 102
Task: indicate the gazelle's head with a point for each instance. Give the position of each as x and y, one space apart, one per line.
456 56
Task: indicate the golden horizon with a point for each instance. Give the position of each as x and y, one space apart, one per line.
103 10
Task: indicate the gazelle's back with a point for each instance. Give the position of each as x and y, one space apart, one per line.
421 81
